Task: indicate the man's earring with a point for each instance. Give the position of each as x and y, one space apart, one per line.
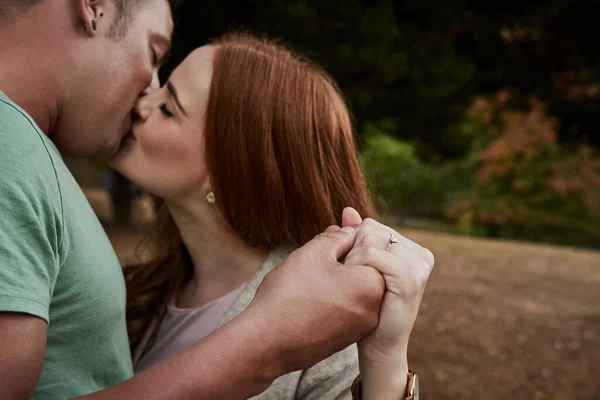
94 26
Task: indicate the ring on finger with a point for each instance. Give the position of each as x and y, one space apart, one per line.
393 239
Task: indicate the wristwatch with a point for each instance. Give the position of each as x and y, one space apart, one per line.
412 387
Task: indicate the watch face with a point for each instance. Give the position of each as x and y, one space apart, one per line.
415 387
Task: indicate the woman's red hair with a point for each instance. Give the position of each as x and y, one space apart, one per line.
282 158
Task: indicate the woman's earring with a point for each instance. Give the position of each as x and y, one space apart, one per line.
210 198
94 26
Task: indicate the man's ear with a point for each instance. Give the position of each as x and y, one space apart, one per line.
93 15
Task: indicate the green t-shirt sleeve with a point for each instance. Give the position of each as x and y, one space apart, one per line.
30 217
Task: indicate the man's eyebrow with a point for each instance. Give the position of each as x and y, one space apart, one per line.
173 92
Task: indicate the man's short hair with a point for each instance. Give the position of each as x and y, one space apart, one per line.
125 12
16 6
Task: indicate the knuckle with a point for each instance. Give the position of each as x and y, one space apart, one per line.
368 225
331 236
374 224
301 256
429 258
371 253
363 231
423 274
332 228
369 221
363 255
369 239
417 276
413 282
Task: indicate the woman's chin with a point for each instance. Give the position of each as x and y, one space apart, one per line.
123 165
115 163
121 160
125 147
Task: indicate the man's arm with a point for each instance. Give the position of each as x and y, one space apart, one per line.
30 239
234 362
287 327
22 347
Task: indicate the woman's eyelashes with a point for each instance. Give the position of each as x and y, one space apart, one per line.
166 112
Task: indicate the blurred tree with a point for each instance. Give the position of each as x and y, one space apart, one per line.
414 66
394 70
524 184
542 49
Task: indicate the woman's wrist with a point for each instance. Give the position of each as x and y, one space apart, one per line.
374 352
383 376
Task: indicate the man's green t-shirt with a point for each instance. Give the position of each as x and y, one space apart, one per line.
56 263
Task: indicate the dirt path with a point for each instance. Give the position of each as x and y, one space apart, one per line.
499 320
503 320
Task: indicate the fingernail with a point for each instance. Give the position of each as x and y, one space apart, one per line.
347 229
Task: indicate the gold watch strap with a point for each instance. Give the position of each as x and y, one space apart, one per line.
411 384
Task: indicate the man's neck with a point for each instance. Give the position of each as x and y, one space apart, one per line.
27 73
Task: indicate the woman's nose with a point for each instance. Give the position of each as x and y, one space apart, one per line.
142 109
146 102
145 105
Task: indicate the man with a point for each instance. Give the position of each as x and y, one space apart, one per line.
70 74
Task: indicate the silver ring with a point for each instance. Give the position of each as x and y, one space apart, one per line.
393 239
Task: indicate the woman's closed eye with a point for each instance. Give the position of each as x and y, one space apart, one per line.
166 112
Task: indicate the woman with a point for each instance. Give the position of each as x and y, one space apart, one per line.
252 151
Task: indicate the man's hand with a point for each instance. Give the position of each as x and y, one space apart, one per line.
312 306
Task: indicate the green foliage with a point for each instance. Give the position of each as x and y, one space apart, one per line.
515 182
400 181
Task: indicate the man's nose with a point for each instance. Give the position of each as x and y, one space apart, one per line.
155 83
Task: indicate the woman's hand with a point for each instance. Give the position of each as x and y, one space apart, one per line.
405 268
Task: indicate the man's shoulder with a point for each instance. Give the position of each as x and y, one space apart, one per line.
29 181
13 117
18 130
25 152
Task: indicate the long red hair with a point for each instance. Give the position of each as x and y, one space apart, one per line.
282 157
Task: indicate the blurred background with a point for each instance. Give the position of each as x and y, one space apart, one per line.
478 131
